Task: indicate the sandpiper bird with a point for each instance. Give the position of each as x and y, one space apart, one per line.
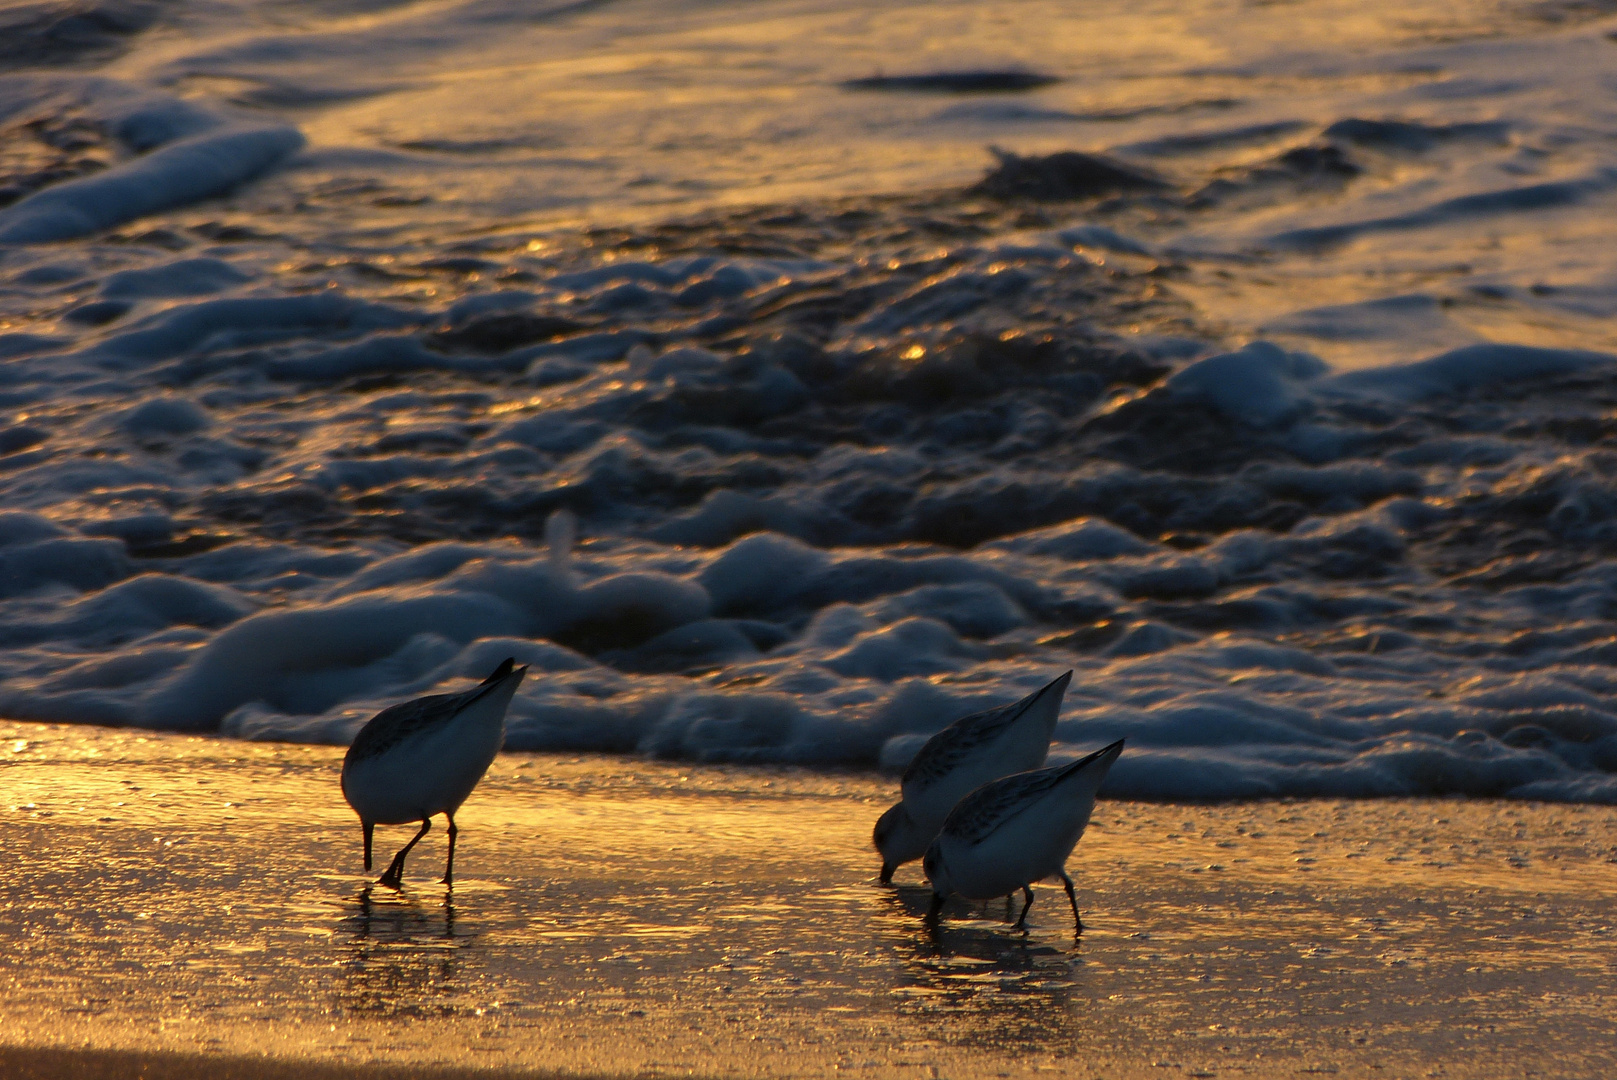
1012 832
959 759
424 757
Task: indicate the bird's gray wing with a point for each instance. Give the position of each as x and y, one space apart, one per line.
944 751
396 723
976 816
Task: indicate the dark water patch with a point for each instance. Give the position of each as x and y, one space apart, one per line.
54 32
1482 205
1318 161
1223 139
466 265
1412 137
39 151
1063 176
956 82
1170 109
97 312
275 94
1004 112
230 232
1570 12
501 332
19 437
478 147
1298 171
179 546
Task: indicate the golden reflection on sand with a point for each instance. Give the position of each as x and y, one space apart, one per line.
170 896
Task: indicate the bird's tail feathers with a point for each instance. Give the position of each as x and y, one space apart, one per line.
1046 698
1109 752
1058 686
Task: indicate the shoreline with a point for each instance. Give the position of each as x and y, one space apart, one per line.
619 917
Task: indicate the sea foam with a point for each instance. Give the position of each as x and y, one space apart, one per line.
1244 418
174 174
1265 656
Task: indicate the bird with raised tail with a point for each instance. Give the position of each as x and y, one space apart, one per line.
1012 832
424 757
959 759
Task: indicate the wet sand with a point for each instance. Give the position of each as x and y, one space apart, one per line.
181 907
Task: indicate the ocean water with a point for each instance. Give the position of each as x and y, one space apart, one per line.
704 357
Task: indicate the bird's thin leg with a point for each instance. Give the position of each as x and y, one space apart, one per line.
370 827
1021 923
933 923
395 870
1072 898
1008 907
449 867
365 912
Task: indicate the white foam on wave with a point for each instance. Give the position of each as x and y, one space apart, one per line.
1296 658
184 172
183 154
911 642
1470 367
1266 386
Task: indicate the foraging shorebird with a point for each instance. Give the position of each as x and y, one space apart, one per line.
1012 832
959 759
423 757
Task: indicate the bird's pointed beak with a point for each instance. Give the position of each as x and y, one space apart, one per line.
887 869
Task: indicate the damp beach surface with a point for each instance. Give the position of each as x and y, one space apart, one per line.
180 906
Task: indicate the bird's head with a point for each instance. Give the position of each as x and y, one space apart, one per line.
886 825
898 839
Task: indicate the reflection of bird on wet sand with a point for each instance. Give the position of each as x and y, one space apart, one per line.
424 757
963 756
394 924
402 959
1012 832
976 985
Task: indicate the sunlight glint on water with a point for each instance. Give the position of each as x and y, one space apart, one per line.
313 316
